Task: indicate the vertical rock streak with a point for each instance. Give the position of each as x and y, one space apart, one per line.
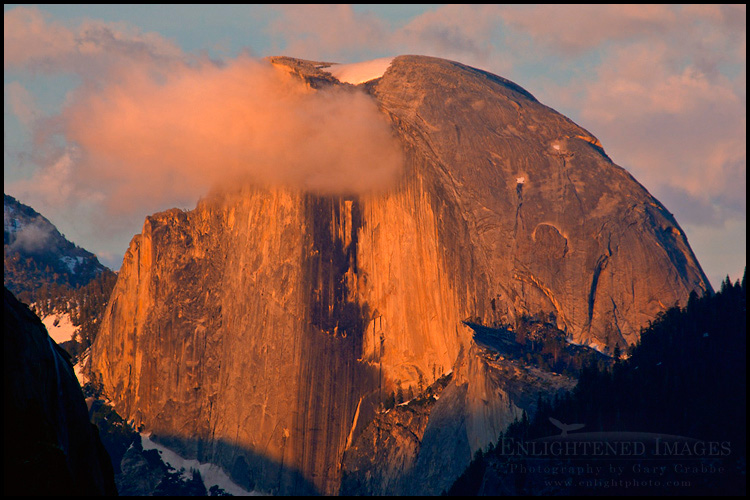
331 380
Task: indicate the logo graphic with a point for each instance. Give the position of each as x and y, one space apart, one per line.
565 427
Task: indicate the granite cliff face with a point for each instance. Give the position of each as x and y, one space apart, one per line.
422 446
261 330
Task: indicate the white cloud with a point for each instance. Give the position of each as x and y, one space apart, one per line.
33 236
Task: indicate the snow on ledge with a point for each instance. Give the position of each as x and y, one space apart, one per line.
210 473
360 72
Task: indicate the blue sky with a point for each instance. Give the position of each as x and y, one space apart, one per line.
662 87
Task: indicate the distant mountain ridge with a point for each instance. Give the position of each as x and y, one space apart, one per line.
37 254
64 284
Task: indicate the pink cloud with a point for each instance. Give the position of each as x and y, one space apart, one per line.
160 138
33 40
338 33
151 126
22 103
581 27
29 35
454 31
51 187
321 31
670 125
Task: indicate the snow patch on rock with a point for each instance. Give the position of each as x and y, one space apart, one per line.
591 344
60 327
72 262
360 72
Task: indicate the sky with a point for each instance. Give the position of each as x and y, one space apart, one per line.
96 98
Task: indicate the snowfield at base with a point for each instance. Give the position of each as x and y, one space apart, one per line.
360 72
63 331
210 473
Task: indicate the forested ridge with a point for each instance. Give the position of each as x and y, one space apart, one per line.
685 378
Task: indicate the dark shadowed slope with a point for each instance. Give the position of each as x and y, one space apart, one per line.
49 445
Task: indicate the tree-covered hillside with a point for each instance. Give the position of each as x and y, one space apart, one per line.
53 275
85 305
684 384
36 254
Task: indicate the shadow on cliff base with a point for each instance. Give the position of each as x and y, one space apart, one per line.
249 469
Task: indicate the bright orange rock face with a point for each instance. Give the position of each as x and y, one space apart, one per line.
261 330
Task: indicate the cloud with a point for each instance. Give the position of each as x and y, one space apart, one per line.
693 209
28 35
454 31
151 127
32 237
148 127
313 30
52 184
337 33
22 103
674 128
577 28
174 134
34 41
572 30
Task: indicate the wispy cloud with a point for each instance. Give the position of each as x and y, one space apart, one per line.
341 34
32 237
152 127
33 40
663 86
22 103
314 30
576 28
